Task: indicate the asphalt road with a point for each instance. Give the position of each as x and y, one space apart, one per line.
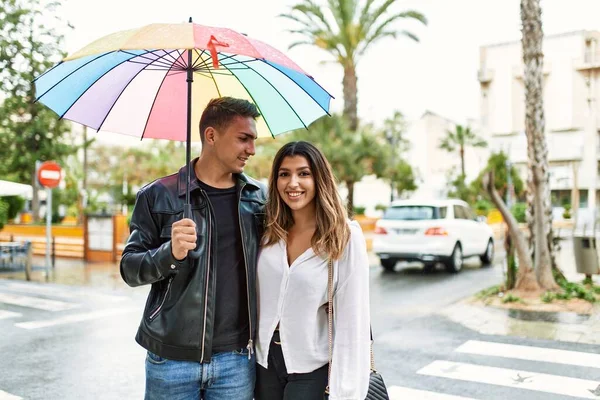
66 342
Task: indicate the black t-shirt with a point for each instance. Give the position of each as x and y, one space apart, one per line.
231 327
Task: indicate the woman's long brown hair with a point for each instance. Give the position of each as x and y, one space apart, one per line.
332 232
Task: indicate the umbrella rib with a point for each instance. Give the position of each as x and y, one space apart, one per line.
180 64
256 104
197 58
279 93
88 88
152 107
118 97
212 77
69 74
168 53
304 90
152 60
165 66
45 72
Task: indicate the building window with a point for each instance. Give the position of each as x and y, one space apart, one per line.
560 197
583 198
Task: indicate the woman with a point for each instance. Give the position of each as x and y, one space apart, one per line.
306 226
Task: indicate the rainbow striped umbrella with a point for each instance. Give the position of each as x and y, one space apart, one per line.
154 82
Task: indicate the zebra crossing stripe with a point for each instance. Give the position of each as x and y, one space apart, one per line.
7 396
9 314
34 302
530 353
513 378
403 393
68 319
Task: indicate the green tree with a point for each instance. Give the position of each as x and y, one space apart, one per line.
346 31
28 131
403 177
459 139
3 213
497 162
351 155
259 165
15 205
393 129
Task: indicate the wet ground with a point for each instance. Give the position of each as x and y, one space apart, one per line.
72 338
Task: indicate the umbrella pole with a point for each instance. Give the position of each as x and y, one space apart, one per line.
187 208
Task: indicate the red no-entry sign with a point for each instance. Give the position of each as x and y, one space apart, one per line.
49 174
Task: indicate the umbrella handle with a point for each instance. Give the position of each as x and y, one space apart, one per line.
187 213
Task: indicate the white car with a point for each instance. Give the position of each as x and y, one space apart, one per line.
444 231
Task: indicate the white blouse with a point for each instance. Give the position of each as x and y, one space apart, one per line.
295 296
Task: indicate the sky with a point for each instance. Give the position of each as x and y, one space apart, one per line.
438 74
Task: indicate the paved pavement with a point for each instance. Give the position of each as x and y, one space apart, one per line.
62 332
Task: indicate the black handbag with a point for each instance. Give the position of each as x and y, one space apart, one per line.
377 389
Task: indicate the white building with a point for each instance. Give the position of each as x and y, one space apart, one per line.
433 165
571 91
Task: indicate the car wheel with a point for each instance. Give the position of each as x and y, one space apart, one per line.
455 263
487 257
388 264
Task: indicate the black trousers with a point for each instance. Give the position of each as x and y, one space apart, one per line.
275 383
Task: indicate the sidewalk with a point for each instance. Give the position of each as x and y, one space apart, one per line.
567 327
74 272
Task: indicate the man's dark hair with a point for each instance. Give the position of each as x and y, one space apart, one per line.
221 111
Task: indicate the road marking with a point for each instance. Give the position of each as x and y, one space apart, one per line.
9 314
403 393
8 396
78 294
34 302
530 353
513 378
68 319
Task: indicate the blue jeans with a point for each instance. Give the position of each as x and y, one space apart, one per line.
228 376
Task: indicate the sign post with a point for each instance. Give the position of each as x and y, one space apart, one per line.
48 175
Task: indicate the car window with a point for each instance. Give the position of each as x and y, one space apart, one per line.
469 213
459 212
412 213
443 212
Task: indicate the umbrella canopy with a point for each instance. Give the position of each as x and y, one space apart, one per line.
136 82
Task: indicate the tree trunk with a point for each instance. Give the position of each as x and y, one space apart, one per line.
526 279
351 96
537 150
462 161
350 200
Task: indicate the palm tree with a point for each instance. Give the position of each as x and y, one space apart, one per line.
459 139
537 150
347 31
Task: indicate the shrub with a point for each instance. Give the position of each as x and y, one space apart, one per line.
3 213
519 212
359 210
483 207
381 207
15 205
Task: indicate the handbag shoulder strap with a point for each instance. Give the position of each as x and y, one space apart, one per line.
330 324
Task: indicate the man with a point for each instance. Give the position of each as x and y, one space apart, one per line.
200 317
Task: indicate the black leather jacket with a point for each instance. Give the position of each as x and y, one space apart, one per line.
179 314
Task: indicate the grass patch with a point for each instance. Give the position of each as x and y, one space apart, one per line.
511 298
584 291
489 292
548 297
